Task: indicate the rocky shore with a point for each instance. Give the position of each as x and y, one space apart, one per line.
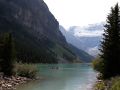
10 83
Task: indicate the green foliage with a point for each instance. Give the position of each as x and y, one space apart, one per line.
98 64
8 55
99 86
115 83
110 46
111 84
26 70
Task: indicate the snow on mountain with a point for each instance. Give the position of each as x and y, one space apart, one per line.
86 38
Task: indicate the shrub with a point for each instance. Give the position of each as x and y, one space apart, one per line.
100 86
98 65
112 84
115 83
26 70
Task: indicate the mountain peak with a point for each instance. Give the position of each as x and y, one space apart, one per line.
86 38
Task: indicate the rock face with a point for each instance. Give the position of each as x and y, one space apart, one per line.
33 14
35 31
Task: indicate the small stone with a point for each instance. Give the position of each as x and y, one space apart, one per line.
9 85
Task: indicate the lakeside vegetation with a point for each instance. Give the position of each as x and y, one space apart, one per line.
8 62
108 63
11 72
26 70
111 84
7 55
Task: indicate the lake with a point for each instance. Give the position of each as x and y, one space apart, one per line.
63 77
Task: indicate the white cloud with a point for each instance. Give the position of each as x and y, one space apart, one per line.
80 12
85 33
94 30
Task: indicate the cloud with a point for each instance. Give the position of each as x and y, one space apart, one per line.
85 33
94 30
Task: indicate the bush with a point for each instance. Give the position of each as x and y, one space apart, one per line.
112 84
98 65
115 83
100 86
26 70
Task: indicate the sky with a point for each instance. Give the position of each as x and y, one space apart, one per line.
80 12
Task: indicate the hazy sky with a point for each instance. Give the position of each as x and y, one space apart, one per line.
80 12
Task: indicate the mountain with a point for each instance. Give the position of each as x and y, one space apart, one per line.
84 57
35 31
87 38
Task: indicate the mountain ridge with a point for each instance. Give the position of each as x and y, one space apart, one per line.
84 56
34 29
87 38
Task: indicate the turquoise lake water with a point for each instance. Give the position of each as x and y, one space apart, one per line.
63 77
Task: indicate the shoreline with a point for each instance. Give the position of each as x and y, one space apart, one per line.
10 83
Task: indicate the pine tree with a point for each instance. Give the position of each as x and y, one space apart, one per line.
110 46
8 55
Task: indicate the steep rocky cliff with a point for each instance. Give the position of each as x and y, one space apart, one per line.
35 31
33 14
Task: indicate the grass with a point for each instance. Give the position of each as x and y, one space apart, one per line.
99 86
115 83
26 70
112 84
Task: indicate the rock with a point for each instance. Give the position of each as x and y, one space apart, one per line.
3 85
100 80
9 83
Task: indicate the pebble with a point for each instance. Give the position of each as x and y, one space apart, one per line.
9 83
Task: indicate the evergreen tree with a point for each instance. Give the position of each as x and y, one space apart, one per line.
110 46
8 55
